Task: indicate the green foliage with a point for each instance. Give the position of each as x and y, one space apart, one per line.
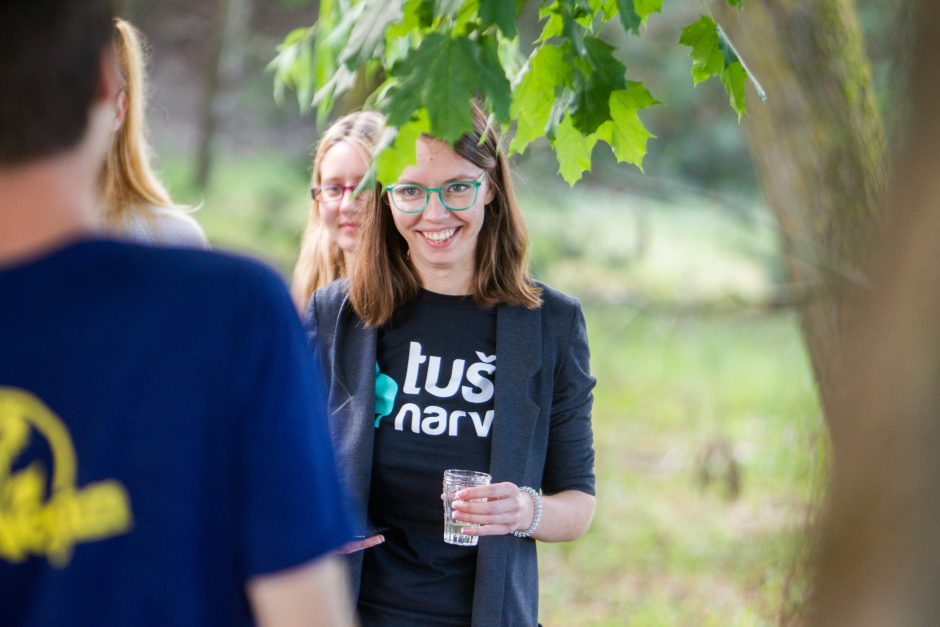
534 93
435 55
390 163
599 75
633 12
439 74
502 13
368 32
712 55
624 132
575 157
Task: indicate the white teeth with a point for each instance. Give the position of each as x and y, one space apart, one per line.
438 236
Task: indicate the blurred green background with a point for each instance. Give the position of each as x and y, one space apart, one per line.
711 450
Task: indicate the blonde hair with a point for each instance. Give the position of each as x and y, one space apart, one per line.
321 260
384 278
128 182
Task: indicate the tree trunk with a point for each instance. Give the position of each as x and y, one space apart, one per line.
879 562
818 146
226 58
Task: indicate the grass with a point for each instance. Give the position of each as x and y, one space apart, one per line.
665 548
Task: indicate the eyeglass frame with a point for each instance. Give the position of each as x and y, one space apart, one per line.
315 191
440 194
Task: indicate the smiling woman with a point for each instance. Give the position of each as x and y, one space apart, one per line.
440 299
441 224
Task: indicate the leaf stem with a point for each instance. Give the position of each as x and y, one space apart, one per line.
762 94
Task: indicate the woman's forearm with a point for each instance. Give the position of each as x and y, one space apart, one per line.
565 516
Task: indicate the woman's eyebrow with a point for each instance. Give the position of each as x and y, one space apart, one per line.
460 177
465 177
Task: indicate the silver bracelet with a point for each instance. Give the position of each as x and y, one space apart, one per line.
537 502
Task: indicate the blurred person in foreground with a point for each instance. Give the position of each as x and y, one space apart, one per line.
332 234
135 204
163 452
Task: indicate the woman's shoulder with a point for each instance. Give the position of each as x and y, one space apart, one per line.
336 290
175 227
555 301
331 296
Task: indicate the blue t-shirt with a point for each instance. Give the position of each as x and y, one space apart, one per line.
162 438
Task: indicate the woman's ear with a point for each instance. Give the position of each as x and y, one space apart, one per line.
490 191
120 110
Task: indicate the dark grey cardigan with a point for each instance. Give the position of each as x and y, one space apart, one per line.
542 432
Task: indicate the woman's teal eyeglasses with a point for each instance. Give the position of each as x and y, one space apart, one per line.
414 198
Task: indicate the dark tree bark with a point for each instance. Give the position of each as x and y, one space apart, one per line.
227 55
818 146
880 558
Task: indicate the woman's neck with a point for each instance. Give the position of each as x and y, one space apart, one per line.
449 281
348 260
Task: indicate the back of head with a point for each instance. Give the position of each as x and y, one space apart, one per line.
51 51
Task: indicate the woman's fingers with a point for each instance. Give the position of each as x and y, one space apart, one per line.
487 508
493 491
359 545
496 508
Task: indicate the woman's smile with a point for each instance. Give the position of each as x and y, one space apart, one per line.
440 238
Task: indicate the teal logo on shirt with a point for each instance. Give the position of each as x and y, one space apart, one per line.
386 389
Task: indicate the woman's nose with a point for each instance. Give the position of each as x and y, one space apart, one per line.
435 208
349 201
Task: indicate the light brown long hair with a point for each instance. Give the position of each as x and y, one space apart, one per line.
128 182
320 260
384 279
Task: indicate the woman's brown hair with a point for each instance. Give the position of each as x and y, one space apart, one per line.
383 278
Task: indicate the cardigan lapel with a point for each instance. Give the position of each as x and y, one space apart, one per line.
518 359
352 399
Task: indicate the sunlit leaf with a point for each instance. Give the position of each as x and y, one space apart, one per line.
625 132
534 93
492 79
440 76
707 57
397 150
573 150
733 78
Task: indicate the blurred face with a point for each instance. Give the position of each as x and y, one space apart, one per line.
343 165
442 242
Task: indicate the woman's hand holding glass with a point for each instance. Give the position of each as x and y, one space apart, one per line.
499 509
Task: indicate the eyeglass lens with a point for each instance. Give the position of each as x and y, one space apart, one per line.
413 198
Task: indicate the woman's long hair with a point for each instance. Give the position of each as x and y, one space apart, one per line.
128 182
321 260
384 278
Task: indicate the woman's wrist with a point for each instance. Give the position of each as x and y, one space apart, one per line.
536 513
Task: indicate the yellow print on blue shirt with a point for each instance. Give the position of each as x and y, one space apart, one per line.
42 517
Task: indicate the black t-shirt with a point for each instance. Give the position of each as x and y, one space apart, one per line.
437 363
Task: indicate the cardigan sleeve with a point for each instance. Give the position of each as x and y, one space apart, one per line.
569 461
